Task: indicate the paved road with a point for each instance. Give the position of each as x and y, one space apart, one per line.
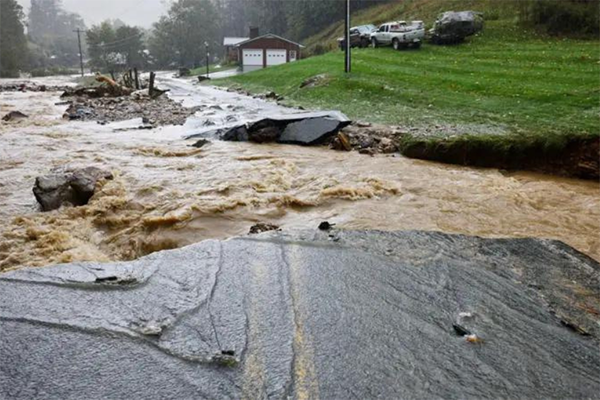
305 315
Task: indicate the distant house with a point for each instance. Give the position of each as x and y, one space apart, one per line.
231 52
267 50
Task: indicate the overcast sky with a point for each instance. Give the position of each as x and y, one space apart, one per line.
132 12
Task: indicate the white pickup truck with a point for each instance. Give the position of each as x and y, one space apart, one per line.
400 34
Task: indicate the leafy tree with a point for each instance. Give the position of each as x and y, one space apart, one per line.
13 43
179 37
113 49
51 28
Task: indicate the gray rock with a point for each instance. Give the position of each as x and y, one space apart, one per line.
201 143
14 116
74 187
332 315
310 131
453 27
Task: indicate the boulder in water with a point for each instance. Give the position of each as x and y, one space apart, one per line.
14 115
75 187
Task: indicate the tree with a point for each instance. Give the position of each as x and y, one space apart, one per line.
113 49
180 37
51 28
13 43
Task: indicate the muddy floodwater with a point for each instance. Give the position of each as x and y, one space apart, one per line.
167 194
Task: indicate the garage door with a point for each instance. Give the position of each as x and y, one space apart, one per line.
253 57
276 57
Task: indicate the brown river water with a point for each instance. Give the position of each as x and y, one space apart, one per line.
167 194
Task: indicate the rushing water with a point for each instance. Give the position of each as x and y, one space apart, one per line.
167 194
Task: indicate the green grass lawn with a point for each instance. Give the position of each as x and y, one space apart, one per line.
505 78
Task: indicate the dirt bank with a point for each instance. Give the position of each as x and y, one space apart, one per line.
577 156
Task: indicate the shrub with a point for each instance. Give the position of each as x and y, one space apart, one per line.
564 17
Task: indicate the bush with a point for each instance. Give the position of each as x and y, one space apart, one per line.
493 15
564 17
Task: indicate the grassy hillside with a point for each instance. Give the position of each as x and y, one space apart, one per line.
426 10
527 86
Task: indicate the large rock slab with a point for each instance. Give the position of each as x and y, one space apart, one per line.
330 315
309 128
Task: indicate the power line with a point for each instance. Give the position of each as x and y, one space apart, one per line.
120 41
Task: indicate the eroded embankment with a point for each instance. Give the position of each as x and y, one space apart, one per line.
572 155
167 194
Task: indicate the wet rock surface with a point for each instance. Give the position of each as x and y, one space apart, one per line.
311 128
14 116
305 315
74 187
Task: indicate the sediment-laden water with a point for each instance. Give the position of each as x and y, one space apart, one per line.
167 194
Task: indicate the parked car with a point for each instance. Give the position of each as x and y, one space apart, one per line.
399 34
453 27
360 36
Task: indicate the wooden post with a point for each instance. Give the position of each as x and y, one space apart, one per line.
151 85
137 78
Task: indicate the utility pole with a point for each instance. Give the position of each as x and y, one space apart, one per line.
79 32
207 60
348 44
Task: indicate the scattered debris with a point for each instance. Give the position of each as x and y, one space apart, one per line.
574 327
263 227
14 115
117 280
183 72
318 80
461 330
111 87
31 87
474 339
225 359
341 142
74 187
372 139
326 226
154 112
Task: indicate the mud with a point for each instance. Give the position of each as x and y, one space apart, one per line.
167 194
